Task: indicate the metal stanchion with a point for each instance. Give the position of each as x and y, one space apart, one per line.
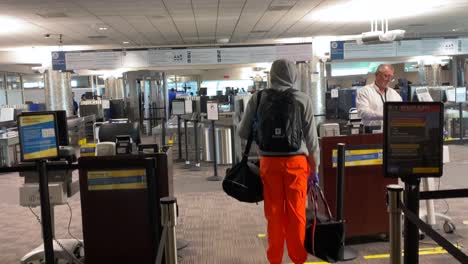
411 230
163 131
187 161
394 196
233 145
169 220
215 159
196 166
346 253
179 140
46 218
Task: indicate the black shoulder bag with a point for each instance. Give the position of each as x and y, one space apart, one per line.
243 181
324 236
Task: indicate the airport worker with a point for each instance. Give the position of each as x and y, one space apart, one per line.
371 98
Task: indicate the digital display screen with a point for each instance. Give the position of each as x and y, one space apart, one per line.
413 135
38 135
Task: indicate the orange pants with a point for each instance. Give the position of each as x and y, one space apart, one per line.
285 194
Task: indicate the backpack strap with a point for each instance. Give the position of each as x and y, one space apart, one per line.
250 139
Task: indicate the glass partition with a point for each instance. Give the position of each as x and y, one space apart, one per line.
14 89
183 84
3 99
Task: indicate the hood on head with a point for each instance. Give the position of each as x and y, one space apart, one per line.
283 73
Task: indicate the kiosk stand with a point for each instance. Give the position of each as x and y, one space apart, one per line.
39 141
178 109
212 114
413 138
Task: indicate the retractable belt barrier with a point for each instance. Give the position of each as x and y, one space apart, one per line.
444 194
396 206
428 230
33 167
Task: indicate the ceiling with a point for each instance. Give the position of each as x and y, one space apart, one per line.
143 23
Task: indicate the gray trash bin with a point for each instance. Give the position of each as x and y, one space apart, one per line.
223 145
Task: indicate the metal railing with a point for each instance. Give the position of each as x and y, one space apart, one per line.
168 244
396 207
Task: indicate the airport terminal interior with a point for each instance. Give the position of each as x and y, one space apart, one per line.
119 123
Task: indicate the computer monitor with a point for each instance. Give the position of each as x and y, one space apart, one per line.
117 108
222 99
89 95
62 127
460 94
7 114
202 91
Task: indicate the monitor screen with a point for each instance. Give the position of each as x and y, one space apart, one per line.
62 127
7 114
202 91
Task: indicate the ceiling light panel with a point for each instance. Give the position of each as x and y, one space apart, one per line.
253 11
143 25
125 29
229 12
182 14
167 29
12 25
205 16
299 10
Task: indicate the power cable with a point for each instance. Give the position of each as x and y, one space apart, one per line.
56 241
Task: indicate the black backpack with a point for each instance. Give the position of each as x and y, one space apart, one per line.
279 123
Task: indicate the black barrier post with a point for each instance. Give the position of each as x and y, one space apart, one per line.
215 159
45 212
346 253
341 159
179 139
196 166
411 230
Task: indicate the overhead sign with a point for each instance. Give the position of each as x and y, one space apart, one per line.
355 51
58 61
438 46
413 134
74 60
38 135
337 50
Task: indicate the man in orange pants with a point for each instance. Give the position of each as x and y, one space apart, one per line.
289 150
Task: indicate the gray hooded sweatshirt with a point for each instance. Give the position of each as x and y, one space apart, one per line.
283 76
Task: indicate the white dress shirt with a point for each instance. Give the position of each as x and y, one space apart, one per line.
370 102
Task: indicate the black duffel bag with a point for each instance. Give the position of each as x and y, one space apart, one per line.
243 181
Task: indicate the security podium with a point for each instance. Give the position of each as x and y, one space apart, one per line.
365 210
120 206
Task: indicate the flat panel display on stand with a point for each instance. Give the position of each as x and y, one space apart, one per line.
178 107
212 110
38 135
413 138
